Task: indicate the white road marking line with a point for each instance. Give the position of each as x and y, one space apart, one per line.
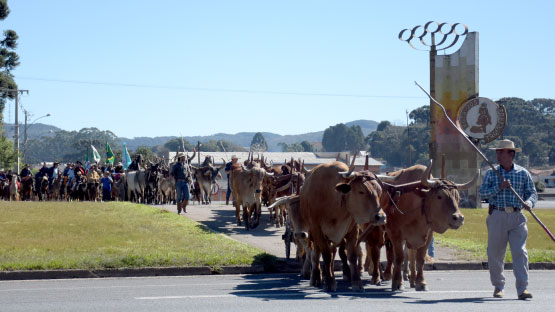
310 295
123 286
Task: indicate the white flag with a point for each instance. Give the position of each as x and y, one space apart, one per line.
95 154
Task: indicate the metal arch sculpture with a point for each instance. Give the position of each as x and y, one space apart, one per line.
442 30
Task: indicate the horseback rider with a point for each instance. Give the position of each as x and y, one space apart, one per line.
136 163
25 172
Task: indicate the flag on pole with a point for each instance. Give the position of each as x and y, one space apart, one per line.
109 155
126 161
95 155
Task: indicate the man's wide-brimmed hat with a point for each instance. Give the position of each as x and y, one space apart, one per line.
234 157
179 155
507 145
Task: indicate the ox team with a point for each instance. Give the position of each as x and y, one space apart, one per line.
335 209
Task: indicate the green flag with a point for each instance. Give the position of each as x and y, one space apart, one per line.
109 155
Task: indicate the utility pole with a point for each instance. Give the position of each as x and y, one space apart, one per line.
198 152
408 139
25 134
16 128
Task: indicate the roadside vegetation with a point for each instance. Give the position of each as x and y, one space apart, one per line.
472 238
61 235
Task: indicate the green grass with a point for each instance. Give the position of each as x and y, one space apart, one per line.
472 238
61 235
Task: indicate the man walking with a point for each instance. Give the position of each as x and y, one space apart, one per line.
180 172
506 223
228 171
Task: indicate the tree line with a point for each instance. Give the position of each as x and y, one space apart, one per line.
531 124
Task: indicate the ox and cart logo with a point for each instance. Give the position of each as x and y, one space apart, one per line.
482 118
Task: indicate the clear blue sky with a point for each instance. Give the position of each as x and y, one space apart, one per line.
152 68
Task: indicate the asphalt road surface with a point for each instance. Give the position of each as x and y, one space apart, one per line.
448 291
221 218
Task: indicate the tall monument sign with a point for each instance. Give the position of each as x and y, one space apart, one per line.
453 82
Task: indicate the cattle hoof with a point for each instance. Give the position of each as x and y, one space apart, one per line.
421 287
387 276
357 286
412 284
398 287
375 281
315 282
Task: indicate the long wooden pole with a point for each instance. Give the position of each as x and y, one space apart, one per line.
488 162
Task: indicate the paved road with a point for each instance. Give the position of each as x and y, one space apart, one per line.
266 236
449 291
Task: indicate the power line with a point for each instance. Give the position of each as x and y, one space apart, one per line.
132 85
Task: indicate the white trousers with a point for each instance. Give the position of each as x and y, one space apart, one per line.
506 228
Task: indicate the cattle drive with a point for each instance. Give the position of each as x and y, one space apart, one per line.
328 209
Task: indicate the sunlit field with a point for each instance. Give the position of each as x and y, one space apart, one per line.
472 237
61 235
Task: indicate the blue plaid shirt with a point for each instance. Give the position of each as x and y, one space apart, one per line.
520 180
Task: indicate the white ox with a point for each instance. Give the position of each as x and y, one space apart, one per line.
136 181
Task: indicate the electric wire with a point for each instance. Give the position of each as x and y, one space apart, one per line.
248 91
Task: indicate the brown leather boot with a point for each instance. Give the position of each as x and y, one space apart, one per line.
184 205
178 208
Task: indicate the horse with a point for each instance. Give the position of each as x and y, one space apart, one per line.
14 188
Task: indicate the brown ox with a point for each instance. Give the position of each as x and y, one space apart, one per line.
434 206
27 187
298 224
277 186
246 186
334 200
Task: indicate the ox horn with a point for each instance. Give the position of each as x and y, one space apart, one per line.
386 178
337 157
467 185
425 180
366 163
192 157
285 187
223 166
352 166
349 174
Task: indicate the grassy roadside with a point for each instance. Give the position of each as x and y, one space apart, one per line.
61 235
472 237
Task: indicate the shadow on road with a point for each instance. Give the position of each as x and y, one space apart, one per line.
292 287
454 300
223 218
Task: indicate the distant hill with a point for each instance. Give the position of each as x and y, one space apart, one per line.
367 126
242 138
34 131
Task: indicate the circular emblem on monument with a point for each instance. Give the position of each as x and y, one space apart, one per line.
482 118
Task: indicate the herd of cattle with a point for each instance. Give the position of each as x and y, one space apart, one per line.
329 208
332 208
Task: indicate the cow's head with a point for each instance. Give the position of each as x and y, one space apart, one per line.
442 202
256 179
362 193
